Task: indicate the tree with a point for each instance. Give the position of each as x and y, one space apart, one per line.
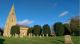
59 28
37 29
75 25
46 29
15 30
29 30
67 30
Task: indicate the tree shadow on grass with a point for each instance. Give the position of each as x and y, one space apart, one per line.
2 41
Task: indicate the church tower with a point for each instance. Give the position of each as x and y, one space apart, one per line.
11 20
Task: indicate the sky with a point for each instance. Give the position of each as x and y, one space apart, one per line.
33 12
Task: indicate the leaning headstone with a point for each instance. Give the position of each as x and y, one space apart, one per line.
46 35
68 39
43 35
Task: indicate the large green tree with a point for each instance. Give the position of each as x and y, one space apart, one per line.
67 30
59 28
46 29
15 30
37 29
75 25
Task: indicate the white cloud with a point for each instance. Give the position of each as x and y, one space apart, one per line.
63 13
24 22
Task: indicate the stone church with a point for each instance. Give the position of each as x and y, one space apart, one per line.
11 21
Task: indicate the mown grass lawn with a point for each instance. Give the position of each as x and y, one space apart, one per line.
76 39
38 40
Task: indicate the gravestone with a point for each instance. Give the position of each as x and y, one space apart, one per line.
43 35
29 35
46 35
16 35
68 39
40 36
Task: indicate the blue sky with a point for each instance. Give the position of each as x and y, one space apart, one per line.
31 12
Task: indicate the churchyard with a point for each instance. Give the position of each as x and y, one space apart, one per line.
37 40
41 22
